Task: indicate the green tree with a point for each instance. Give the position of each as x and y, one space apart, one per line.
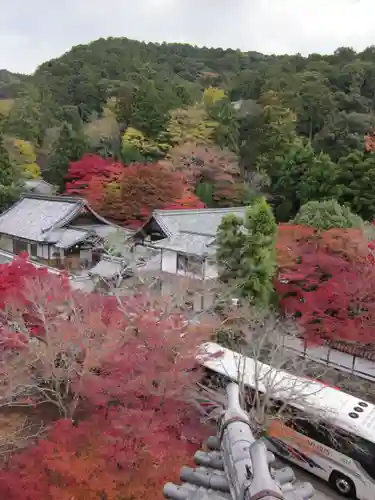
70 146
9 181
230 244
266 134
327 214
149 111
246 253
24 120
124 105
343 134
300 176
204 191
317 102
356 180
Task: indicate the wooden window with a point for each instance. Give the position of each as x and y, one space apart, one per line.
189 263
33 249
19 246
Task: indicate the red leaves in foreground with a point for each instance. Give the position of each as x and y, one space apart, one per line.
128 194
119 368
18 282
327 281
96 459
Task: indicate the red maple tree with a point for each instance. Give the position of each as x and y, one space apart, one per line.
128 194
81 172
130 198
119 372
210 164
327 281
96 458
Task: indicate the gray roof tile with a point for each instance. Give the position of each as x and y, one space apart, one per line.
204 221
42 218
193 244
39 186
108 267
70 237
31 217
192 231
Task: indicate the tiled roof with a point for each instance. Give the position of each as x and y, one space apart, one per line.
69 237
108 267
236 466
32 216
39 186
192 231
203 221
194 244
40 218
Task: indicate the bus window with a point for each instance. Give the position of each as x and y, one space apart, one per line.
360 450
315 431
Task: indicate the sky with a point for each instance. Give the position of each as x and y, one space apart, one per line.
32 32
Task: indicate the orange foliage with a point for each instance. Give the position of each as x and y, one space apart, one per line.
369 142
129 198
211 164
86 462
349 243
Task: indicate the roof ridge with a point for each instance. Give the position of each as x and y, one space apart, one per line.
38 180
51 197
188 211
198 233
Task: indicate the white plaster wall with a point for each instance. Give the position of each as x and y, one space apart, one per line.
6 243
169 261
211 271
42 251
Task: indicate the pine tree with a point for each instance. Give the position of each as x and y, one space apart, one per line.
149 111
259 258
9 188
70 146
246 253
230 243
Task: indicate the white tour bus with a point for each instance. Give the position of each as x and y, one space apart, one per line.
340 449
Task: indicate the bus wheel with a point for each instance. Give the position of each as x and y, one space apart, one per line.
342 484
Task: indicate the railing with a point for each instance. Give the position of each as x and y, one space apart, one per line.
333 358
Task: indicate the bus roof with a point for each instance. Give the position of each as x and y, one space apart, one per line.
313 397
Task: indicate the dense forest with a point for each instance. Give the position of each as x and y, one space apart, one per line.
294 128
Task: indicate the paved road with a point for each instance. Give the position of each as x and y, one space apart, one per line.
322 489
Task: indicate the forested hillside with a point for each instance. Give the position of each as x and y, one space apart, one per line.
278 118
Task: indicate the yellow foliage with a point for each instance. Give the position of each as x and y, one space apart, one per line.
134 137
212 95
23 155
25 150
5 106
31 171
191 125
145 146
